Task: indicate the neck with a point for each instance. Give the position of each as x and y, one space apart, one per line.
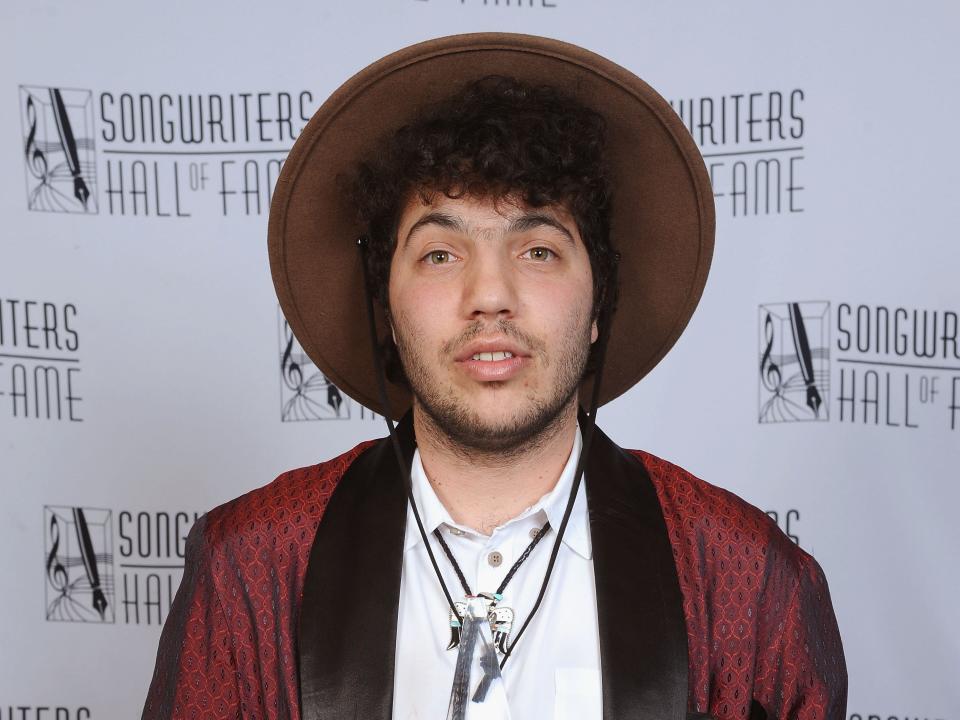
483 489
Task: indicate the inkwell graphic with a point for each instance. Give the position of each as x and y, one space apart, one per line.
306 393
79 565
794 362
59 149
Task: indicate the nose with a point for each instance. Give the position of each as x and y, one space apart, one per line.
490 289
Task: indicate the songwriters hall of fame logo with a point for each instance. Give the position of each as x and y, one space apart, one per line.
794 361
305 392
79 564
58 147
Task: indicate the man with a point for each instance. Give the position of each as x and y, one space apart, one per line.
499 222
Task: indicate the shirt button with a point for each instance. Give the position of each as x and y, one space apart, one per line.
533 532
495 559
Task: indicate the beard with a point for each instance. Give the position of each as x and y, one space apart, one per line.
461 427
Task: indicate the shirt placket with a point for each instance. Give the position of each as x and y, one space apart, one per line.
493 562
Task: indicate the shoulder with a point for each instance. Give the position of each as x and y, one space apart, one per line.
717 529
284 514
752 597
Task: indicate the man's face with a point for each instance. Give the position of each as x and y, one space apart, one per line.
491 307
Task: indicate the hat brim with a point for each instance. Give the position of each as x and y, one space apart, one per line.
662 223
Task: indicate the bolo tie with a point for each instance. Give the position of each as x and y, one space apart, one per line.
472 617
500 617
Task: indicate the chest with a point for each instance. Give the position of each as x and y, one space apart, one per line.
555 668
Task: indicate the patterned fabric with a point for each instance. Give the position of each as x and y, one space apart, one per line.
760 623
759 619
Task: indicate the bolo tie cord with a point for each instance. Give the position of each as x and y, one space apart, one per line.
405 463
509 576
387 415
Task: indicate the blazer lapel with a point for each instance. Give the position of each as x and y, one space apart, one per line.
348 614
643 635
351 592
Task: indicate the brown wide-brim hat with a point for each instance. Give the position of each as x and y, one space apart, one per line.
662 222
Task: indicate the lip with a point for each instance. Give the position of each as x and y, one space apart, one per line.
492 370
490 345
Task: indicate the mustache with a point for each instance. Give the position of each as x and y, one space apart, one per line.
500 327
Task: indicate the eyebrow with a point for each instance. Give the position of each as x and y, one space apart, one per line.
533 220
524 223
441 219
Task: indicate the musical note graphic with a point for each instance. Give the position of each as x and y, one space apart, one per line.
794 372
769 370
59 149
307 393
36 158
79 565
56 572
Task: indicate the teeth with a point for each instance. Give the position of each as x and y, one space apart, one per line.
492 356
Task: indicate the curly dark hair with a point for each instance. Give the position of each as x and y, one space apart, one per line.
497 138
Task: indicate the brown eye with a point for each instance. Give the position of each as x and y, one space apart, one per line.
437 257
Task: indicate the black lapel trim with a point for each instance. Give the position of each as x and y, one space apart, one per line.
351 593
643 634
348 615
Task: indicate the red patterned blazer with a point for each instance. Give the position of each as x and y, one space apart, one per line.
288 604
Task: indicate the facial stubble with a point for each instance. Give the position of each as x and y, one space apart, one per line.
461 427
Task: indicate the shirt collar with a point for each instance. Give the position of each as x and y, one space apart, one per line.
552 504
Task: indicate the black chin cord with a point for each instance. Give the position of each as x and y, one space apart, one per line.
398 451
578 477
404 463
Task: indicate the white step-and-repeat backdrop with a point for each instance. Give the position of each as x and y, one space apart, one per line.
142 378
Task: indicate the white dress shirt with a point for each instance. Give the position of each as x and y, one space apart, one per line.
555 670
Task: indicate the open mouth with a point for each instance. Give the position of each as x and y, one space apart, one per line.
492 356
492 359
